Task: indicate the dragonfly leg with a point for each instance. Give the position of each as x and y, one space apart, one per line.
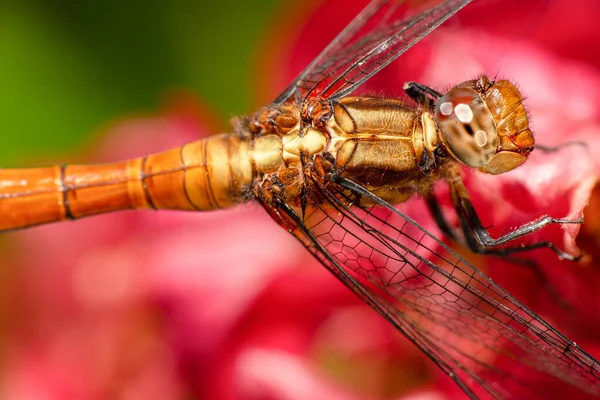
461 237
484 243
552 149
478 238
436 211
421 94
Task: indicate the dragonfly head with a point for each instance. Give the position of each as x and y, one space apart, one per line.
483 124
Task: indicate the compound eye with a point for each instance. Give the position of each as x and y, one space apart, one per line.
467 128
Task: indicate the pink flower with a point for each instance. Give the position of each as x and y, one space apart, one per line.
226 305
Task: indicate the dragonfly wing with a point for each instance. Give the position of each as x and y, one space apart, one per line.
484 339
377 36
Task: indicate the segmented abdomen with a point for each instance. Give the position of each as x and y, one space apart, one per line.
206 174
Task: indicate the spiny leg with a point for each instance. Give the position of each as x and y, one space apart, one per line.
484 243
558 147
478 238
463 238
441 221
421 94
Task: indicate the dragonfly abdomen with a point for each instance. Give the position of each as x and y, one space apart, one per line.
207 174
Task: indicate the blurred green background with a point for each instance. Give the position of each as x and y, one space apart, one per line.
68 67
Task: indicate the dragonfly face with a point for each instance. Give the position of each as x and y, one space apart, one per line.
484 125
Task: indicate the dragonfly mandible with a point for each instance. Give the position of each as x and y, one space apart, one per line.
328 166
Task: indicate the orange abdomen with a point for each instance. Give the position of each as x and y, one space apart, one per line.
206 174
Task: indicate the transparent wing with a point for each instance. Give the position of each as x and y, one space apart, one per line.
489 343
377 36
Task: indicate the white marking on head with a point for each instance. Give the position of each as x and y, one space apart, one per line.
481 138
464 113
446 108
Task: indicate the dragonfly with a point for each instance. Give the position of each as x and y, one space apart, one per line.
329 168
